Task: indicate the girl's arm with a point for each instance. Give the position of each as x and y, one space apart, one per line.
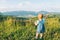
46 16
36 22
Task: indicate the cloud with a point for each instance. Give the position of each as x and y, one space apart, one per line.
24 4
29 6
19 6
3 1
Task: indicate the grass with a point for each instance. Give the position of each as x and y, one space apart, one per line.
11 30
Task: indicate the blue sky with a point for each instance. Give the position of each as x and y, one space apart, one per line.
30 5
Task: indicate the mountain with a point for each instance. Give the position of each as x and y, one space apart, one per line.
24 13
21 13
43 12
1 13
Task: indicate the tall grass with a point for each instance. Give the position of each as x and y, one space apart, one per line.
11 29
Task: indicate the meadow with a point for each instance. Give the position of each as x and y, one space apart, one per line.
13 28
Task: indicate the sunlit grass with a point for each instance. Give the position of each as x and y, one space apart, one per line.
9 30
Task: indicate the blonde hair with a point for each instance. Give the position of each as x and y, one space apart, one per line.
40 16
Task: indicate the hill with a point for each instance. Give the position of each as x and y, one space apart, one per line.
24 13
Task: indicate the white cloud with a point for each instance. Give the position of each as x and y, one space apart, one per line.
37 7
24 4
3 1
29 6
20 6
52 7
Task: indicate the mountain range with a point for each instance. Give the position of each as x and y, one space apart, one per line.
24 13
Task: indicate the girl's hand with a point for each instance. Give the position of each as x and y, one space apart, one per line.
46 15
35 23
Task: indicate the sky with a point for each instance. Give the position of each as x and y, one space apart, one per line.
30 5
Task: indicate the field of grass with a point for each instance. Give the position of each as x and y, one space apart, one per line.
12 29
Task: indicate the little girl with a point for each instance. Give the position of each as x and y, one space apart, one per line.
40 26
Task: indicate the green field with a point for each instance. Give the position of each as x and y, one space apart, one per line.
12 28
